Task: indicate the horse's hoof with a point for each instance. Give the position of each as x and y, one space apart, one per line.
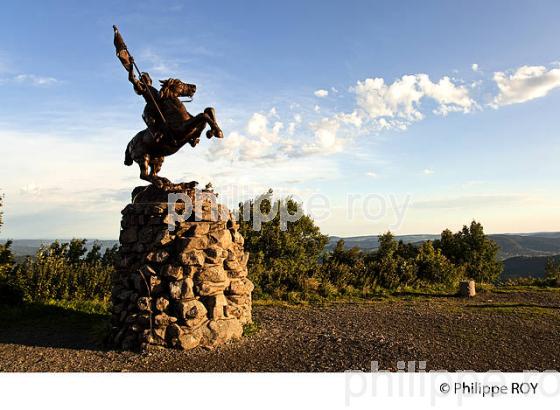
209 134
218 134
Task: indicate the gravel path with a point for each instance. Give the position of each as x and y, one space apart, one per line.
508 332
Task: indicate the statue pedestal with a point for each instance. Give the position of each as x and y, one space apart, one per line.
180 282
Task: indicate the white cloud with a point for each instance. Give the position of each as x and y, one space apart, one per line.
263 141
321 93
402 98
291 128
372 174
326 141
228 147
450 97
397 99
354 119
298 119
33 79
428 171
525 84
474 67
317 108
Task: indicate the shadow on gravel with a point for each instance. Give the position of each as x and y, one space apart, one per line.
52 326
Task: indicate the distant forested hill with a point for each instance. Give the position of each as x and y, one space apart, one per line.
537 244
26 247
533 244
527 245
526 266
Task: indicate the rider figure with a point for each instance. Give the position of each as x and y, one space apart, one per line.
151 114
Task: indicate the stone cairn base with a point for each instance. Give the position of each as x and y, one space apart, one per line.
179 283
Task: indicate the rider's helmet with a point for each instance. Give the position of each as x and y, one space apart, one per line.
146 78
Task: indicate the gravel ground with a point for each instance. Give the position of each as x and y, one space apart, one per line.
494 331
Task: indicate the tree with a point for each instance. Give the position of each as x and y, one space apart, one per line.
391 268
7 260
281 260
108 258
343 267
473 250
434 267
94 254
76 250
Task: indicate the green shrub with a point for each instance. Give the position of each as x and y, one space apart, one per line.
434 267
62 271
391 266
281 260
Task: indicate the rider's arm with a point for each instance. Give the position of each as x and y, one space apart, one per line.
138 86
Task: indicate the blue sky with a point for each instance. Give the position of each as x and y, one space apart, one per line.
409 116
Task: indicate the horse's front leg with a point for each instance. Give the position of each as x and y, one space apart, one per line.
192 128
215 130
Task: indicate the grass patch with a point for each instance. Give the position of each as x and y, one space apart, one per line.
101 307
251 329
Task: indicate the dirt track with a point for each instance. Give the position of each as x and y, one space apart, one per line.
508 332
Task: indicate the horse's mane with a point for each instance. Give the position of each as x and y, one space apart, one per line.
169 88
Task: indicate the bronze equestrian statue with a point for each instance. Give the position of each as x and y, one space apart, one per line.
169 125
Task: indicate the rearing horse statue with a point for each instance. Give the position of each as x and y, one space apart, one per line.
150 146
169 125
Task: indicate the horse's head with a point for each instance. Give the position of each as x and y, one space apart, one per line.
174 88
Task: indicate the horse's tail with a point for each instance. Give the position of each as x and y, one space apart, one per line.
128 161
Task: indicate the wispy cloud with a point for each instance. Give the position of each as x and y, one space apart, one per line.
29 79
35 79
156 63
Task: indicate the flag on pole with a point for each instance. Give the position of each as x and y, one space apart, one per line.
122 51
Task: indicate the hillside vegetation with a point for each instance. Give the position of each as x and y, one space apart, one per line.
289 264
